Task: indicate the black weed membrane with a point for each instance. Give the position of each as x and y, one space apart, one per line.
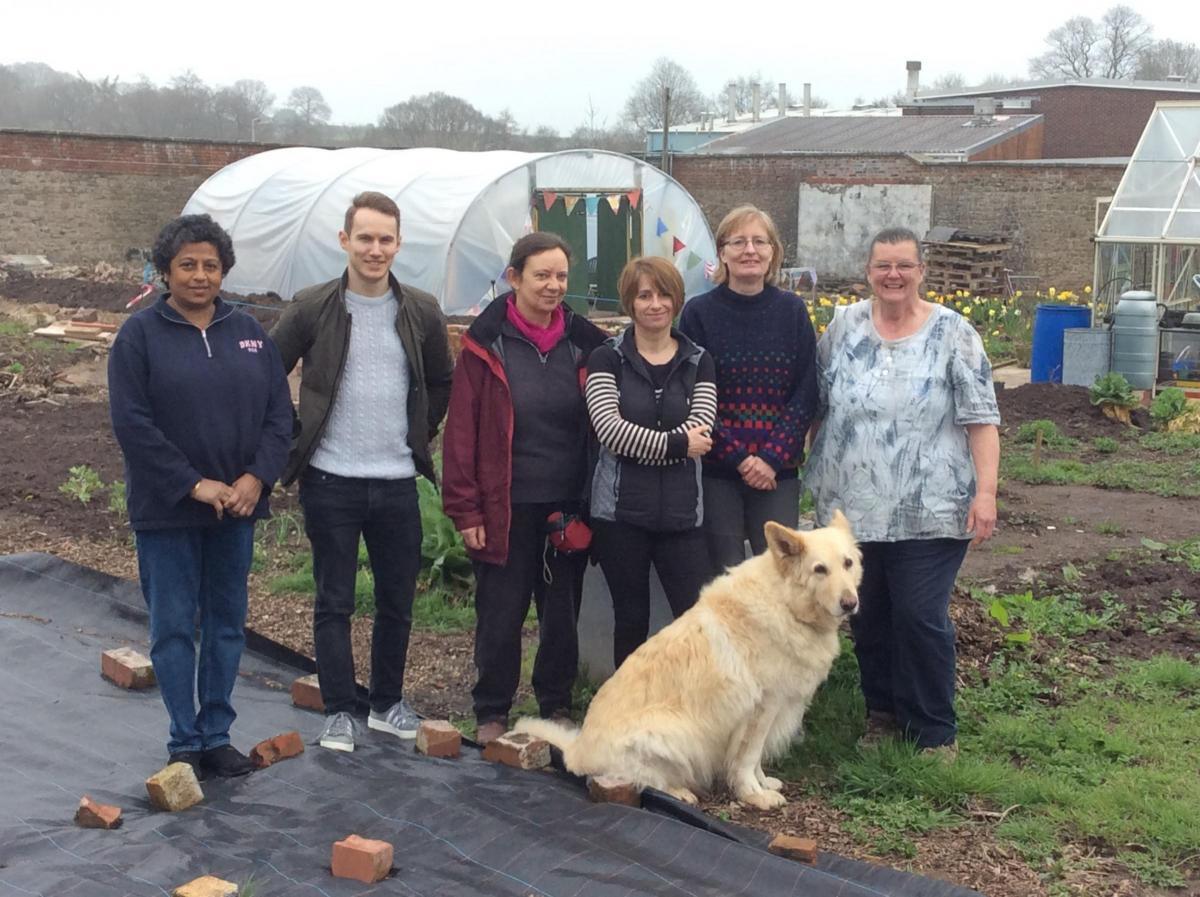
459 827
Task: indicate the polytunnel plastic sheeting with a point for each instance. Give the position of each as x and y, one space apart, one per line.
462 827
460 213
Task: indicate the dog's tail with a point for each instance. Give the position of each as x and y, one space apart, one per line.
558 734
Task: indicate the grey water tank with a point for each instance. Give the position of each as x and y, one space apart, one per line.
1135 338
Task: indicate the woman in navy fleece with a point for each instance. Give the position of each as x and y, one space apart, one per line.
763 343
201 409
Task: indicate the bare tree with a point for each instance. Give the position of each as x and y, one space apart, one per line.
949 81
1071 53
1083 48
309 105
1169 58
1124 35
644 107
439 119
742 89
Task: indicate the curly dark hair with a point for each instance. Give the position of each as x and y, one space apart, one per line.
191 229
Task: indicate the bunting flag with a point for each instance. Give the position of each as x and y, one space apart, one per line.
548 198
635 197
660 228
614 202
571 200
692 260
592 201
678 245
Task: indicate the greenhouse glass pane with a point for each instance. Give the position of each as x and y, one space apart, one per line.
1185 123
1126 223
1150 185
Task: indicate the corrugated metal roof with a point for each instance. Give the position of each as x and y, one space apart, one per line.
910 134
1049 84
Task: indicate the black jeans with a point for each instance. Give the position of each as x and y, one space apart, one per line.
337 510
734 513
502 593
903 636
625 553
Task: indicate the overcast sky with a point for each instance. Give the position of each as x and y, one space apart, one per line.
543 60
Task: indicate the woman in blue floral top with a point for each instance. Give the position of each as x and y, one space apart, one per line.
909 449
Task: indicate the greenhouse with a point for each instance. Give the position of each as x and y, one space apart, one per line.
460 214
1149 238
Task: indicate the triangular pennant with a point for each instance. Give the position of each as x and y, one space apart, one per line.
692 260
635 197
592 201
614 202
571 201
549 197
660 228
678 244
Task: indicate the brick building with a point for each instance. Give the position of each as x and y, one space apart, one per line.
1084 118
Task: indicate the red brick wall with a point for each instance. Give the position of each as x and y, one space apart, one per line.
1083 121
1045 209
79 198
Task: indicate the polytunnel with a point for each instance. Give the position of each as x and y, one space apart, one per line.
460 214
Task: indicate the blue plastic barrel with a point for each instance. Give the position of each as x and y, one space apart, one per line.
1049 322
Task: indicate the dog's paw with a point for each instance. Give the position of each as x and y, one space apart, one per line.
684 795
764 800
770 783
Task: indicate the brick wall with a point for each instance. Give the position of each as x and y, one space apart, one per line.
1082 121
80 198
1046 209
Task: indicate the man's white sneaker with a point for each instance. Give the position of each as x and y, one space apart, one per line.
399 720
338 734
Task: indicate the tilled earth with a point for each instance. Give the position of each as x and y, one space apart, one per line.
50 425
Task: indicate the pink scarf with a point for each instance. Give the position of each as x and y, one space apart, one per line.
545 338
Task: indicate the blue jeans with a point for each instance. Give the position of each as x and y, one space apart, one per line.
903 636
182 571
387 515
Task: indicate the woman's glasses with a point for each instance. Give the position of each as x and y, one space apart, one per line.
740 243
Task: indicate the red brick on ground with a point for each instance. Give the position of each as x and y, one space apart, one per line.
206 886
803 850
519 750
174 788
306 693
362 859
611 790
281 747
127 668
438 738
95 815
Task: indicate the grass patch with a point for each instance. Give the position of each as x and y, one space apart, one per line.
1109 528
1177 475
1171 443
1105 757
1007 549
1106 445
14 328
1029 431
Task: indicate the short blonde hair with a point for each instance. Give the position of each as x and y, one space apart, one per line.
663 276
735 219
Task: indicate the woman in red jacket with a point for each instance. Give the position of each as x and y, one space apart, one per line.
515 453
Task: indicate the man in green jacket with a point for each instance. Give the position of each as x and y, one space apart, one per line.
372 396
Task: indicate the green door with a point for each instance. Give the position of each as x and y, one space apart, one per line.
572 227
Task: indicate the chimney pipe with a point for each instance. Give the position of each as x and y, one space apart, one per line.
756 100
807 98
731 100
783 99
914 78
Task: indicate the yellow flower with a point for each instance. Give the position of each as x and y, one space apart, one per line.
929 294
1016 312
1088 289
1017 294
1052 292
991 312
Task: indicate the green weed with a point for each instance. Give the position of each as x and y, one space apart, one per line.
82 484
14 328
1168 405
1171 443
116 499
15 368
1007 549
1109 528
443 556
1106 445
1028 433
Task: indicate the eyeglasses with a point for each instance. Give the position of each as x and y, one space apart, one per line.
740 243
900 267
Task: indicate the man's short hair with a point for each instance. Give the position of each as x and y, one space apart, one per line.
376 202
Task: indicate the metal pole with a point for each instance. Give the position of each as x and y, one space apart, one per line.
666 146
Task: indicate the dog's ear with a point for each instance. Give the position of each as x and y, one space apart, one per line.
839 520
783 542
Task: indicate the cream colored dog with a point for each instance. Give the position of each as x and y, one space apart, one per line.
728 683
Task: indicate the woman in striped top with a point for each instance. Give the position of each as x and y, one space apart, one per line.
652 399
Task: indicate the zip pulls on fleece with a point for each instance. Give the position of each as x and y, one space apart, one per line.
221 312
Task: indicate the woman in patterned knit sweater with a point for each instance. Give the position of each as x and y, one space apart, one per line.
652 399
762 341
